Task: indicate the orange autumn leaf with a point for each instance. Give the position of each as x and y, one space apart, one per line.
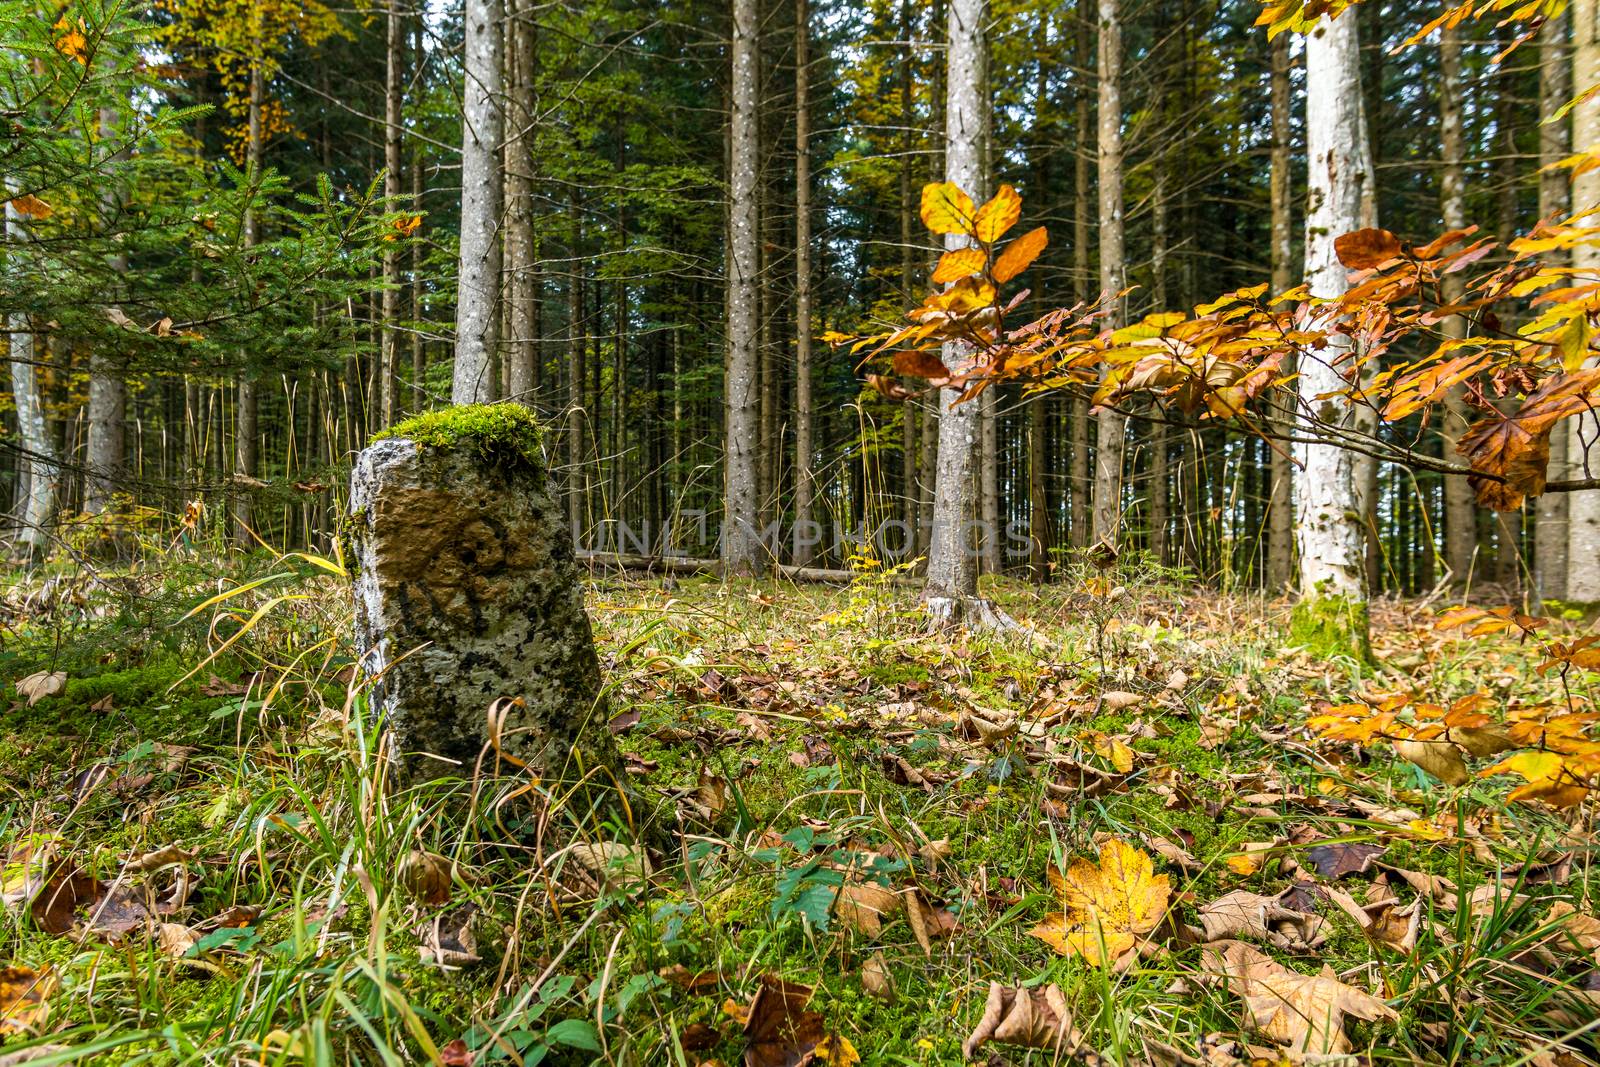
1020 254
958 263
946 209
998 215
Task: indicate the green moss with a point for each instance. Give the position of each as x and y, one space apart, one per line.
504 432
1332 626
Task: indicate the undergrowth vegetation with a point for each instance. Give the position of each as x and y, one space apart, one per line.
1116 814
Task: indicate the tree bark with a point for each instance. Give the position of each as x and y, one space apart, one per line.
1583 440
40 465
804 491
1111 426
1332 567
1460 518
952 585
1550 530
1280 507
108 391
741 546
246 444
1083 282
478 285
393 130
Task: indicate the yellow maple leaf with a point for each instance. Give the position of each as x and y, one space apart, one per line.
1106 906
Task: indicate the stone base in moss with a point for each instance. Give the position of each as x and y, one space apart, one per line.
1330 626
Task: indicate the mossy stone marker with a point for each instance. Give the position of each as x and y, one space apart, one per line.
467 592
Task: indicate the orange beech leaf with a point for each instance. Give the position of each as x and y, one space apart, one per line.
958 263
1020 254
1365 249
1515 448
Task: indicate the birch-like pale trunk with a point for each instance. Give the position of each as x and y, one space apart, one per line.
1550 528
41 466
1111 426
1583 433
1280 506
1460 518
741 544
108 390
478 284
952 582
804 490
1332 571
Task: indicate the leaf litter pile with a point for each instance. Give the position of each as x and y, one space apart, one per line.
1142 829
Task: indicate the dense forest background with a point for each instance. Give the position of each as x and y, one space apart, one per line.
314 154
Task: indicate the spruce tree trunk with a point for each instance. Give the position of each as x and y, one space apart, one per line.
246 444
478 284
1583 440
1332 612
1111 428
805 539
1082 280
1280 507
108 391
1460 519
741 547
1550 531
393 128
952 583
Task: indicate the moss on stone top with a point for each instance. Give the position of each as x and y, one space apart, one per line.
505 432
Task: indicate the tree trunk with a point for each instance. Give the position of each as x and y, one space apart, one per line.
1111 426
393 129
1083 282
805 538
246 445
40 465
1550 530
741 546
472 380
1460 519
1583 440
1332 612
108 391
952 585
1160 509
1280 507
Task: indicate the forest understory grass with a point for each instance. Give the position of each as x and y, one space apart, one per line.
783 741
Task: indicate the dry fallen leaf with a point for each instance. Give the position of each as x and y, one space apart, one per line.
877 979
1246 914
862 907
1582 931
1340 859
779 1031
1304 1012
41 684
426 876
1107 906
1439 758
1032 1018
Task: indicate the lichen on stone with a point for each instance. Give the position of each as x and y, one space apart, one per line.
507 433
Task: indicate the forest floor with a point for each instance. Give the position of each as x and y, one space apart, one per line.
865 822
